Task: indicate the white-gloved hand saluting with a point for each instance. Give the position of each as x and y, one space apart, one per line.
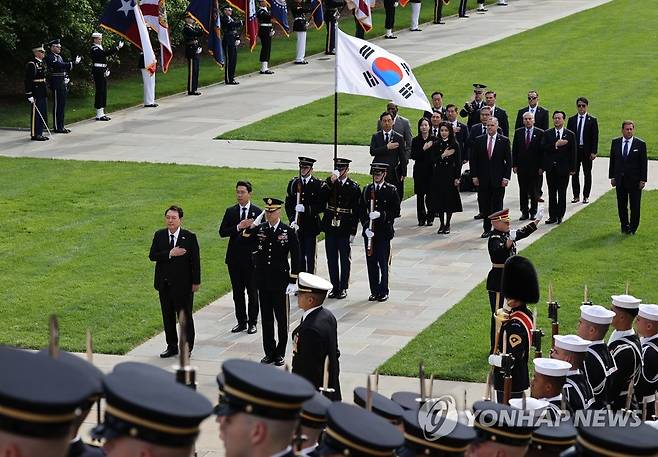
259 218
374 215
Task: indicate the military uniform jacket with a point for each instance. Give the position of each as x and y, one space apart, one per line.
264 18
387 202
577 391
191 35
79 448
499 253
273 247
57 69
554 408
35 79
341 215
626 351
314 340
312 197
230 26
519 336
240 248
99 57
299 19
648 383
598 366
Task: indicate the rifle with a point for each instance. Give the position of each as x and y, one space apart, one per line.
500 317
586 300
537 335
298 439
507 362
371 224
299 194
90 359
629 394
421 378
335 222
185 374
53 341
325 389
553 308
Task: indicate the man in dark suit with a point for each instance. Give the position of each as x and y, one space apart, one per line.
275 276
472 106
540 113
586 128
460 129
175 252
559 162
491 167
402 126
527 159
437 106
497 112
239 258
315 340
628 174
387 146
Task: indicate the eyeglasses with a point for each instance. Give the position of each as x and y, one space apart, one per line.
581 105
532 98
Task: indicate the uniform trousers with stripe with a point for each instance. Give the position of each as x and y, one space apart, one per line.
378 265
59 103
36 123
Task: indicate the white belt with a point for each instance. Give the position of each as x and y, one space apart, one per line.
266 25
100 65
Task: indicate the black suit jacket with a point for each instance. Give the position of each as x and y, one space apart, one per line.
239 248
462 138
491 172
422 163
633 168
541 117
314 340
503 121
562 158
271 257
531 158
590 134
474 132
395 158
177 272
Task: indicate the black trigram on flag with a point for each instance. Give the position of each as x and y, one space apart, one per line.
370 79
406 90
406 68
366 51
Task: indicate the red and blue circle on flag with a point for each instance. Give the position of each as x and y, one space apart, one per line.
387 71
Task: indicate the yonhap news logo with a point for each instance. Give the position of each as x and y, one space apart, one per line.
438 416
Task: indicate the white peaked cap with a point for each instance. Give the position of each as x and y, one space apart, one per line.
307 282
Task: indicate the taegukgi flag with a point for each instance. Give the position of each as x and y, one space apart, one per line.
363 68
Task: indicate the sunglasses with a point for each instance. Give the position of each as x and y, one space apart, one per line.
532 98
581 105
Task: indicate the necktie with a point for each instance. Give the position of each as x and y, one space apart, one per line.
385 137
557 134
171 241
244 213
625 153
490 147
580 130
483 130
528 138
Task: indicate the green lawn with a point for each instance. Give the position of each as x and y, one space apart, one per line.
578 55
76 241
127 92
587 249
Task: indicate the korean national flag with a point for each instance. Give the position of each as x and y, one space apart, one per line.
363 68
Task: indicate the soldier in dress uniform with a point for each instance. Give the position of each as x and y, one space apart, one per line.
304 215
231 29
502 246
275 277
598 364
471 107
339 223
647 328
58 80
312 422
497 436
550 440
36 94
191 34
100 72
389 20
626 351
577 391
380 205
330 17
547 383
381 405
258 409
315 340
417 444
520 287
299 26
265 33
438 11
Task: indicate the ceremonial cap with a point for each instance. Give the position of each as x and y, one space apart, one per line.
306 161
531 404
39 396
262 390
572 343
97 35
38 47
502 215
355 432
381 405
55 41
496 422
378 167
272 204
520 280
596 314
86 369
340 162
307 282
554 437
648 311
146 403
408 400
551 367
613 439
415 443
626 301
479 86
314 411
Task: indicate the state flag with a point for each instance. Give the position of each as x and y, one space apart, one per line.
206 14
362 12
248 8
155 16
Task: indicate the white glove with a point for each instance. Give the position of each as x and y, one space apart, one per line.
294 226
78 59
272 32
336 173
237 43
198 50
259 218
299 208
512 234
374 215
495 360
351 239
540 213
395 4
291 289
369 233
120 45
107 73
67 80
30 99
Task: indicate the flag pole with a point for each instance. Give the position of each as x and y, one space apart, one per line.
336 95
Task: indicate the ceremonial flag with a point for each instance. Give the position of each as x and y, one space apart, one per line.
404 2
280 14
206 14
155 16
124 17
317 13
248 8
363 68
362 12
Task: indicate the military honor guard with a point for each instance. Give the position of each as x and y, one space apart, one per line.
265 33
380 405
231 29
647 328
380 205
472 107
148 80
304 206
598 364
415 15
496 436
550 440
312 423
418 443
626 351
547 384
276 276
438 11
502 246
299 25
239 261
315 340
332 9
100 72
36 94
58 80
191 35
576 390
262 402
339 223
389 21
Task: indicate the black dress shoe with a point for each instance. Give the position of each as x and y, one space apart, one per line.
239 328
373 297
267 72
303 62
252 329
575 200
194 93
463 15
540 200
232 83
332 294
524 217
478 216
342 294
169 352
440 230
446 230
585 200
415 30
103 118
421 223
62 131
551 221
279 362
152 105
430 223
391 37
440 22
485 235
267 360
39 138
383 298
559 221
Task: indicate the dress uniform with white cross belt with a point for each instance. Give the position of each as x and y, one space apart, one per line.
58 70
36 94
647 325
100 72
577 392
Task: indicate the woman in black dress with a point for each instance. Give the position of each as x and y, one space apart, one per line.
421 153
447 166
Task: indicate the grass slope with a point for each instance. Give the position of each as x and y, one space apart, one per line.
586 249
578 55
